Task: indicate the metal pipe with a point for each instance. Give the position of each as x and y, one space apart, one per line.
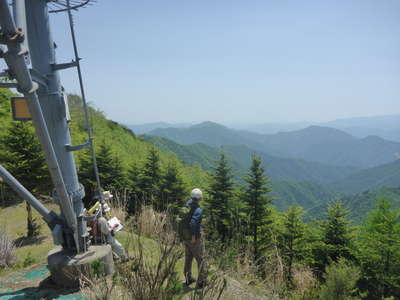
19 69
85 106
25 194
20 22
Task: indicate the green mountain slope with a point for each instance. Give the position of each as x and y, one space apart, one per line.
122 140
278 168
386 175
314 143
291 179
360 204
301 193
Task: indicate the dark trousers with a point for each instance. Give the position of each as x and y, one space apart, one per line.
196 251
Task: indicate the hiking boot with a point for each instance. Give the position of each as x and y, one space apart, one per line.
201 285
189 281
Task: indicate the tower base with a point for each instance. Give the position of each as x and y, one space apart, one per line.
67 269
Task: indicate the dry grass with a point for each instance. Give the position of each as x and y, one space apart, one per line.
118 207
7 250
304 281
148 223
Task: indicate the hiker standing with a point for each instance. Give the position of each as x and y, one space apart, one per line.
194 247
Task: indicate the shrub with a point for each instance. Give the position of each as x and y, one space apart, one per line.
340 281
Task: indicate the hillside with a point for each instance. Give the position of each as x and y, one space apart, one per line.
301 193
386 175
277 168
209 133
386 126
314 143
359 204
123 142
144 128
333 146
292 181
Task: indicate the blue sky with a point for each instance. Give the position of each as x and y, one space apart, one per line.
237 61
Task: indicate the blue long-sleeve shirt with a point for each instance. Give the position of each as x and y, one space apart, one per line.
195 221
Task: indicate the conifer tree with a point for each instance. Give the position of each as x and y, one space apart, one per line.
292 241
110 172
150 177
220 193
135 194
379 252
336 237
24 159
172 189
257 203
134 177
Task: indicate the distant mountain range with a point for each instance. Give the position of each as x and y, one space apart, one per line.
320 144
308 167
144 128
386 127
277 168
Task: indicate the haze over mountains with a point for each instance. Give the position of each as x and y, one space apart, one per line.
308 166
386 127
320 144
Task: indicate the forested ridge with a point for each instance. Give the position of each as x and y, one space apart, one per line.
242 224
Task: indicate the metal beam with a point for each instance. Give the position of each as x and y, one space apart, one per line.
20 71
50 217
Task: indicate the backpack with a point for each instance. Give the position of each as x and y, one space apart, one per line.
184 218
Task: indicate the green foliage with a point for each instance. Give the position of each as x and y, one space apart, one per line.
126 149
379 251
373 178
319 144
292 240
172 190
220 193
150 177
29 260
340 281
312 196
336 237
257 203
111 173
21 154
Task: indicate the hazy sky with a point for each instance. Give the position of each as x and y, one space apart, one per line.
237 60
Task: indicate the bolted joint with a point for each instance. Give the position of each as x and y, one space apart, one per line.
79 194
17 37
52 219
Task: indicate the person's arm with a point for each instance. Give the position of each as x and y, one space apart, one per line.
195 224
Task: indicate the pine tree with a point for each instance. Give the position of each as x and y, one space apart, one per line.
134 202
221 192
24 159
292 240
379 252
134 178
257 202
150 178
110 172
172 189
336 237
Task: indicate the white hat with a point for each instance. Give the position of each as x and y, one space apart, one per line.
196 194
